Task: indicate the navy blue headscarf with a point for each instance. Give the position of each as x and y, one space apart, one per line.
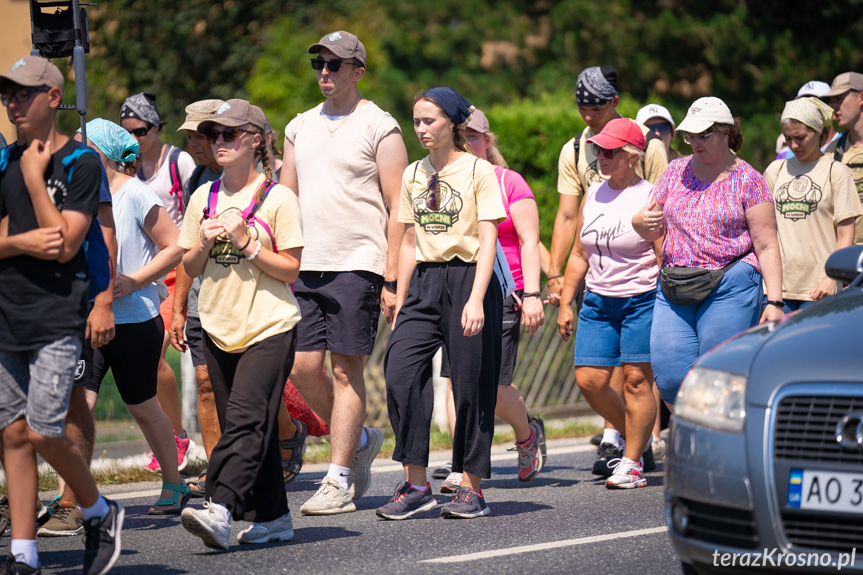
456 107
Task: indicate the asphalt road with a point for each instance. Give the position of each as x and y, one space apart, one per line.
564 521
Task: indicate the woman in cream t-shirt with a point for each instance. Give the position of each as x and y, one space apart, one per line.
243 233
451 205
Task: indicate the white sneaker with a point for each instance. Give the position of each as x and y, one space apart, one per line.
330 499
452 483
212 524
626 474
280 529
360 478
659 449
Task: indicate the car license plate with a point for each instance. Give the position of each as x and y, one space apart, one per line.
825 490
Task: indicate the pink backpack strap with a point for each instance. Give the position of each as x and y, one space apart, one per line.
176 182
249 215
212 198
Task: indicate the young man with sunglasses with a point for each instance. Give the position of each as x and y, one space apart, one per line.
43 267
846 99
657 119
344 159
165 169
597 99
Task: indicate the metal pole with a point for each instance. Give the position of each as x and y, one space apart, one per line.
80 73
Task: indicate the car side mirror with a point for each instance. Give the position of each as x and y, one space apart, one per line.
846 265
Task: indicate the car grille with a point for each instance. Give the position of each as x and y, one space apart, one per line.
721 525
806 429
840 534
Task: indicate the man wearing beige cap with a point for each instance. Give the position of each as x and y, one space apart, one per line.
186 294
344 158
846 99
44 284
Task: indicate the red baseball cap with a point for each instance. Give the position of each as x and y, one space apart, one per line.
617 133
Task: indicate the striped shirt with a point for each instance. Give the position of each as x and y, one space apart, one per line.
706 223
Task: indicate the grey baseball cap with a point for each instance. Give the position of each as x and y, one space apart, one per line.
342 44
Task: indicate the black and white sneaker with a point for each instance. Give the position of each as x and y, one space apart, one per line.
13 567
605 453
541 424
443 471
102 539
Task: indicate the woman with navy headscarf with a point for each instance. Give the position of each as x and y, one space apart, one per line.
450 205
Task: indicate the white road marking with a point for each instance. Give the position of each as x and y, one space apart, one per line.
496 457
544 546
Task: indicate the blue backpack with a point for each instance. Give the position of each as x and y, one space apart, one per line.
95 250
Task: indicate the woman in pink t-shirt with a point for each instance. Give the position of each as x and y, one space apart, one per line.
614 321
715 212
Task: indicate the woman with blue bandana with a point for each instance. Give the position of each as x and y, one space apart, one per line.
450 205
816 203
146 250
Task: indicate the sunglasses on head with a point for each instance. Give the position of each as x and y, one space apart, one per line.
228 135
604 153
22 95
661 128
141 132
690 138
332 65
433 199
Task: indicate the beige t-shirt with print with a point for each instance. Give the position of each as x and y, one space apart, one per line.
240 305
810 199
853 158
470 193
344 211
575 182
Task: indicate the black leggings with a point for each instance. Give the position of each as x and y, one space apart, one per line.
429 318
245 469
133 356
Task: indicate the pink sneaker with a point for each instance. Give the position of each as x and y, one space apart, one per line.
154 463
184 446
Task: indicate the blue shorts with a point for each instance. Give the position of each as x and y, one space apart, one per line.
614 330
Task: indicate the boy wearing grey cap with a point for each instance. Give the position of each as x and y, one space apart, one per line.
43 267
846 99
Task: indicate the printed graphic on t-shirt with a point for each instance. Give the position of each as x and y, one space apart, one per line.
223 251
798 198
57 191
855 164
436 222
601 232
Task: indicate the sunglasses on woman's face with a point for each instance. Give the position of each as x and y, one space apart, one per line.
228 135
433 198
140 132
662 128
604 153
332 65
691 138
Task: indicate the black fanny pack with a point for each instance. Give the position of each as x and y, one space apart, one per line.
691 286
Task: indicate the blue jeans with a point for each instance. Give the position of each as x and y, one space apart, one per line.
682 333
795 304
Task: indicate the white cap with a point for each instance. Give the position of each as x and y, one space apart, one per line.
703 113
813 88
654 111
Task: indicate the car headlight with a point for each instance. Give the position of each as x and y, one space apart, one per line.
714 399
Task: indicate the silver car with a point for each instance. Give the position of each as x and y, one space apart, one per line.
765 456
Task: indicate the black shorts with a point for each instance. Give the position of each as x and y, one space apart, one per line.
133 357
195 341
340 311
509 342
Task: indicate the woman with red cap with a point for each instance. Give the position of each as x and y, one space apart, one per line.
620 270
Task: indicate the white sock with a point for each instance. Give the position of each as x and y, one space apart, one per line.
420 488
612 436
24 551
98 509
340 474
364 440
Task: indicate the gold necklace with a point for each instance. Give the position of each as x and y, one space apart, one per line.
342 120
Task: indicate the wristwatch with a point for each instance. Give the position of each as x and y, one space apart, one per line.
391 285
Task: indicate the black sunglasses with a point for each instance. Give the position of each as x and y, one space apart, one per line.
332 65
21 95
662 129
433 198
228 135
604 153
141 132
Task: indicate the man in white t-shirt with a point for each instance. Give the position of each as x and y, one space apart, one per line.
344 159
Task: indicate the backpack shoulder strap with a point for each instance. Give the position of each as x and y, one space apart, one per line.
249 212
176 182
840 147
212 199
195 179
69 161
5 155
576 144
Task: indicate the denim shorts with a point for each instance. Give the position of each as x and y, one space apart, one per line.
614 330
37 384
